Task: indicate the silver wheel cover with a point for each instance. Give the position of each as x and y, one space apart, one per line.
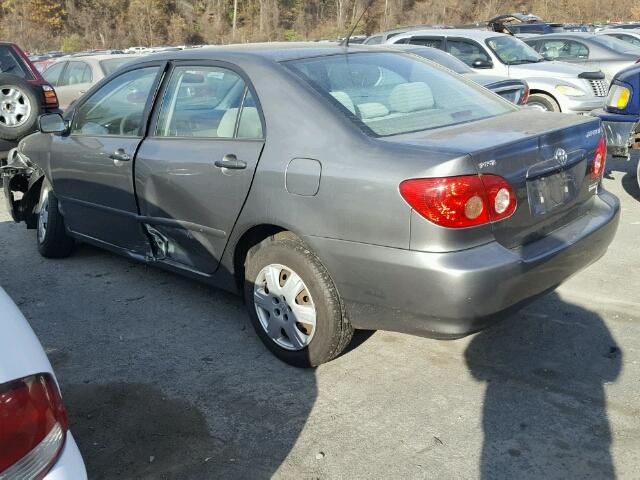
284 307
15 107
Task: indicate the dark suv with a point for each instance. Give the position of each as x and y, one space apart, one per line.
24 95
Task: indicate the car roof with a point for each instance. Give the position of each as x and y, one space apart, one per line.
276 51
454 32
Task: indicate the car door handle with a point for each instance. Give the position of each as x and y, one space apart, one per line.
120 155
231 162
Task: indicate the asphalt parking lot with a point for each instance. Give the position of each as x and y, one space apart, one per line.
165 378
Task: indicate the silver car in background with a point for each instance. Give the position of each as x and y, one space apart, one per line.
589 50
511 89
631 37
555 86
73 76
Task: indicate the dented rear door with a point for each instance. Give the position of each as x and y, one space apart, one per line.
194 170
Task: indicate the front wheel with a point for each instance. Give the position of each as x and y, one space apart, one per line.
293 304
53 240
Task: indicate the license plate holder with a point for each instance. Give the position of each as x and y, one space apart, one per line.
549 192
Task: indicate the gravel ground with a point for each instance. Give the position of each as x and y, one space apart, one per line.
164 378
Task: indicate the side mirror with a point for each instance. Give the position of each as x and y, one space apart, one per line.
482 64
52 123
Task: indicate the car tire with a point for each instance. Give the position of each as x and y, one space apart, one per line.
543 102
283 261
51 235
20 107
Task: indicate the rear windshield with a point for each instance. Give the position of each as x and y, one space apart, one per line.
11 63
111 65
390 93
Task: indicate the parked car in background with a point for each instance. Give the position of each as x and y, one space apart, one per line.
35 440
42 65
629 36
72 77
589 50
513 90
554 86
269 170
137 50
621 115
24 95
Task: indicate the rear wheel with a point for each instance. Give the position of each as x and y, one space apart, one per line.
53 240
20 106
544 102
293 304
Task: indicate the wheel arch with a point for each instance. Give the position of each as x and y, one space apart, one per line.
251 237
540 91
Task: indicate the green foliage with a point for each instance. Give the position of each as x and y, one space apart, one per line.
72 43
290 35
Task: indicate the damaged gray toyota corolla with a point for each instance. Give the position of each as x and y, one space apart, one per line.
336 188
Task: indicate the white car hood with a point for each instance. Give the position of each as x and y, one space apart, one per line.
21 354
548 69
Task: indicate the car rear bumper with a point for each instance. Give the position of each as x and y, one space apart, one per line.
70 465
450 295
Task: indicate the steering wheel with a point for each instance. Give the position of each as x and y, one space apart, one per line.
123 122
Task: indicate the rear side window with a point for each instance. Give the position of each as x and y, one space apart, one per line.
208 102
52 74
10 62
428 42
390 93
117 108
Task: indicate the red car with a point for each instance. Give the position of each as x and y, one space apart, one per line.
24 95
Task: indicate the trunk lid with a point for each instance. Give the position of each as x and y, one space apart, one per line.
545 157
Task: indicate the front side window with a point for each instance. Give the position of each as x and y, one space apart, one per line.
208 102
118 107
564 50
629 39
389 93
467 51
76 72
513 51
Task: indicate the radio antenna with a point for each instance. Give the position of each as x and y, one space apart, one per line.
345 41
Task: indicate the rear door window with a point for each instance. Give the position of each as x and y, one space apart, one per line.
208 102
10 62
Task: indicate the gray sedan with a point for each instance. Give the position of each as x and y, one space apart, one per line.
512 89
335 188
589 49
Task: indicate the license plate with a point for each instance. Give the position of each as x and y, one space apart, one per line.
549 192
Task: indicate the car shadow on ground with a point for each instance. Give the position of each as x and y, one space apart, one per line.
544 412
163 377
629 170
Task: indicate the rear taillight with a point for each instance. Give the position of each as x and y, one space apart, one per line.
597 168
525 95
50 97
33 426
458 202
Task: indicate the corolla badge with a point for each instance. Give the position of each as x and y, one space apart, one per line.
560 156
